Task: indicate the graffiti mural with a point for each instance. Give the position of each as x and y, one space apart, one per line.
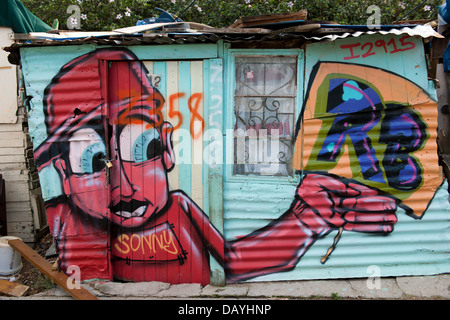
113 161
112 150
371 125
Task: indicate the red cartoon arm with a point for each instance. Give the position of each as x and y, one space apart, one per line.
274 248
322 203
340 202
210 235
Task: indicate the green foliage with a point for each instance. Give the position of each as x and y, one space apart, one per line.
112 14
335 296
95 15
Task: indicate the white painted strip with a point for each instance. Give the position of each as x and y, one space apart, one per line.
172 88
197 142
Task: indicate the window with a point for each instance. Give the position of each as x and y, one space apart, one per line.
265 98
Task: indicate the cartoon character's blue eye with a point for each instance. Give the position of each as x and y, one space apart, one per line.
87 151
147 146
92 158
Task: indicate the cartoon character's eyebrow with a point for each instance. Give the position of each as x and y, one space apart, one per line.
86 131
138 119
138 114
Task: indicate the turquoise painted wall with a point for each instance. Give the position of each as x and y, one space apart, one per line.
238 206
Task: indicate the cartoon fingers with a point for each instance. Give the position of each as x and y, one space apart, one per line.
350 205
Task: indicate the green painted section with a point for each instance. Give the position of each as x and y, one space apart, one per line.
176 52
213 146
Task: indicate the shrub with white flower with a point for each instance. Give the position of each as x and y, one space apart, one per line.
112 14
198 8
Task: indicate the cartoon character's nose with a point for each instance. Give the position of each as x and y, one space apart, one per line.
120 184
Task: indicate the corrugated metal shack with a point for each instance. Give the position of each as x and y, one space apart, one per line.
269 150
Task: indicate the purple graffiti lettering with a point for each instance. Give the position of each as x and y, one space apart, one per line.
403 132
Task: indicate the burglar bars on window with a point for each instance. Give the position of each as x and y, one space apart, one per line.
265 113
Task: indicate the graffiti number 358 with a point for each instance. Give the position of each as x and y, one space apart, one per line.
193 104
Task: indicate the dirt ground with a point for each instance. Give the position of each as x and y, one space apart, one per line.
30 275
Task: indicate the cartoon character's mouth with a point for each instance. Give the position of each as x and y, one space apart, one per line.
131 209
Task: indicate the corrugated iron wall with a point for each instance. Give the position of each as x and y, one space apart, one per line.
366 123
129 134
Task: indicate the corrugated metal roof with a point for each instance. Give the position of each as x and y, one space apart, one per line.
424 31
149 34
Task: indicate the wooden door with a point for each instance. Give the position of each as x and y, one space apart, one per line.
159 231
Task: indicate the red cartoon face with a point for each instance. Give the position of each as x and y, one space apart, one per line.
139 186
82 170
127 133
140 154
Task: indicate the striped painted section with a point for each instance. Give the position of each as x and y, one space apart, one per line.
181 84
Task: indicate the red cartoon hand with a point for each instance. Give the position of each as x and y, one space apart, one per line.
327 202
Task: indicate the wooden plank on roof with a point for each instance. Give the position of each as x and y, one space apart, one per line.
237 30
333 30
249 21
301 28
60 278
199 26
146 27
